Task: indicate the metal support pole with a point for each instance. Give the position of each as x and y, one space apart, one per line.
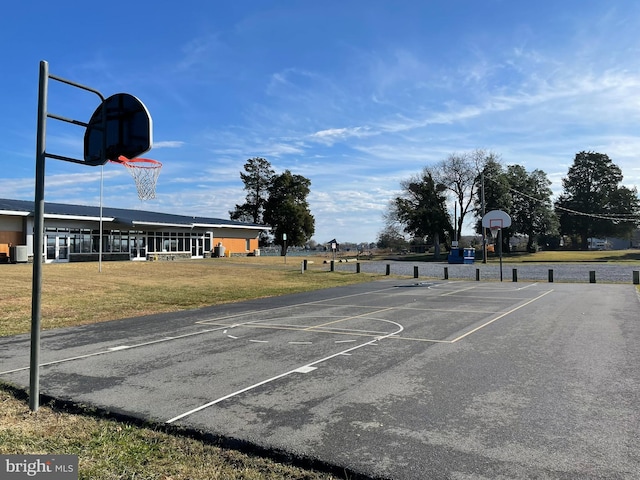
514 275
38 234
38 225
484 230
446 273
415 272
500 247
550 275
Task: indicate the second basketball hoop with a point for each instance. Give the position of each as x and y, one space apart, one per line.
496 220
145 173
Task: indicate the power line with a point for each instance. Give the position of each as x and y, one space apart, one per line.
614 217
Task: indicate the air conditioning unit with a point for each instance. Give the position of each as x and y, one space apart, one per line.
18 254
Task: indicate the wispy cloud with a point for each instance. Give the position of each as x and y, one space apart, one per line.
168 144
355 110
333 135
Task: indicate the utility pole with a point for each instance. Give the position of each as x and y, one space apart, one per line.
484 230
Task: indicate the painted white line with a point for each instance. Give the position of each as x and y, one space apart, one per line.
282 375
300 343
306 369
316 302
344 341
453 292
444 284
109 350
500 316
231 336
425 340
259 341
121 347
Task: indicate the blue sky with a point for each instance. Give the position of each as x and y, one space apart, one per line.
354 95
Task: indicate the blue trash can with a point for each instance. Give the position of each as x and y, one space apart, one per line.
469 255
456 255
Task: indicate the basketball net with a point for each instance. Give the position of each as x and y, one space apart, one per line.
144 172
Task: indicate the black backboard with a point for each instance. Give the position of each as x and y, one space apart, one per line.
128 130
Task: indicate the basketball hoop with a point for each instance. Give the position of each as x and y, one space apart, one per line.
145 173
495 225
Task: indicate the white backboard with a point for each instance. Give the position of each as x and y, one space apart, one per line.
496 219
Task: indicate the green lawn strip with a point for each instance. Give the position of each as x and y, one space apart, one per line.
551 256
76 294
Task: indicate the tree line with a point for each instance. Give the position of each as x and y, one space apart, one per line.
276 200
593 203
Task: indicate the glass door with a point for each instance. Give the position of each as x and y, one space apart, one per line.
57 248
197 246
138 248
63 248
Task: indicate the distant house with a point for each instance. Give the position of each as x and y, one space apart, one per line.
598 244
72 233
609 243
333 245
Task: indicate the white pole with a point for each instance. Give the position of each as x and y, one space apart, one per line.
100 240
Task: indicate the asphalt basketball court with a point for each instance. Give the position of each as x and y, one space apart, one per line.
387 378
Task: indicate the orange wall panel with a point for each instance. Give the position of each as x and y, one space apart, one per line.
236 245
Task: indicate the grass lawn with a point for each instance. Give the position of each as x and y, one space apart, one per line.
551 256
76 294
108 449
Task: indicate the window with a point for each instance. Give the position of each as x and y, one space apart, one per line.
74 244
86 242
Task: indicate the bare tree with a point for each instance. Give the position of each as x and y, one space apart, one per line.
458 173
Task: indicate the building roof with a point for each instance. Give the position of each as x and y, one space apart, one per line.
119 215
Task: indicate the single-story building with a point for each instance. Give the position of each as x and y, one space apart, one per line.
72 233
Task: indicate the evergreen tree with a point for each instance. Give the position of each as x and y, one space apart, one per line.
593 203
422 209
287 212
531 212
257 179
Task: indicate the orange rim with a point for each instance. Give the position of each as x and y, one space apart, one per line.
137 162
